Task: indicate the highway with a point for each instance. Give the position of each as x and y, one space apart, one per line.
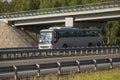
53 60
53 69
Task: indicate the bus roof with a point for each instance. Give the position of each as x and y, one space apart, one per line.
67 29
59 29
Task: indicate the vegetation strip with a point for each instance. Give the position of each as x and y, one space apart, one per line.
98 75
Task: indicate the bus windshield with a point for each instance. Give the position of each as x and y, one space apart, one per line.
45 37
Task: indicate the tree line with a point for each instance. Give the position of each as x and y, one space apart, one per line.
22 5
110 33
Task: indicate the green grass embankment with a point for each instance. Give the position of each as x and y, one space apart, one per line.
113 74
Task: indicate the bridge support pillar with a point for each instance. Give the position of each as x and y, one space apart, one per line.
69 21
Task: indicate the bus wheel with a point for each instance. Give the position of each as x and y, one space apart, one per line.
90 44
65 46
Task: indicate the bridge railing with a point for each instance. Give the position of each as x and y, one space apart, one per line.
66 9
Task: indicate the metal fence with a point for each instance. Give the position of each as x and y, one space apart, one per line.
15 53
58 10
16 69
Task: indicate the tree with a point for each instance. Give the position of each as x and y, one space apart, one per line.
45 4
6 7
16 5
21 5
64 2
1 8
34 4
111 32
56 3
74 2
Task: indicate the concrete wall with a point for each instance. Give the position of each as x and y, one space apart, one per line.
12 37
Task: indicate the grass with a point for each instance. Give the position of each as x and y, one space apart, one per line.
113 74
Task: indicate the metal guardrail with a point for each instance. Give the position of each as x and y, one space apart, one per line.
40 53
58 65
66 9
18 48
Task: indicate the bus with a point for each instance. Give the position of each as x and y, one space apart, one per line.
66 37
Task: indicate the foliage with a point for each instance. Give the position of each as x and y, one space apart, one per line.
111 32
21 5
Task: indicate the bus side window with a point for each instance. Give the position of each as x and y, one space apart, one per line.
65 34
80 34
61 34
75 33
68 34
94 33
83 34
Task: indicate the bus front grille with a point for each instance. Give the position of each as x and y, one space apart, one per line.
44 47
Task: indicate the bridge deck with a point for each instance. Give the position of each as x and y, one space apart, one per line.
88 7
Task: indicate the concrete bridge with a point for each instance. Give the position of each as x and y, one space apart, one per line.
68 15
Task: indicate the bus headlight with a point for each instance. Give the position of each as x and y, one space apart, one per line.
51 46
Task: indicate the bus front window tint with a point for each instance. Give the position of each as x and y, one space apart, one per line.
45 37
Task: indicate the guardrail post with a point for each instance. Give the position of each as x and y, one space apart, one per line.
38 68
86 51
116 51
70 52
64 53
51 53
107 51
75 52
81 52
16 74
97 52
78 63
102 51
95 62
59 68
92 52
58 53
112 51
111 63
